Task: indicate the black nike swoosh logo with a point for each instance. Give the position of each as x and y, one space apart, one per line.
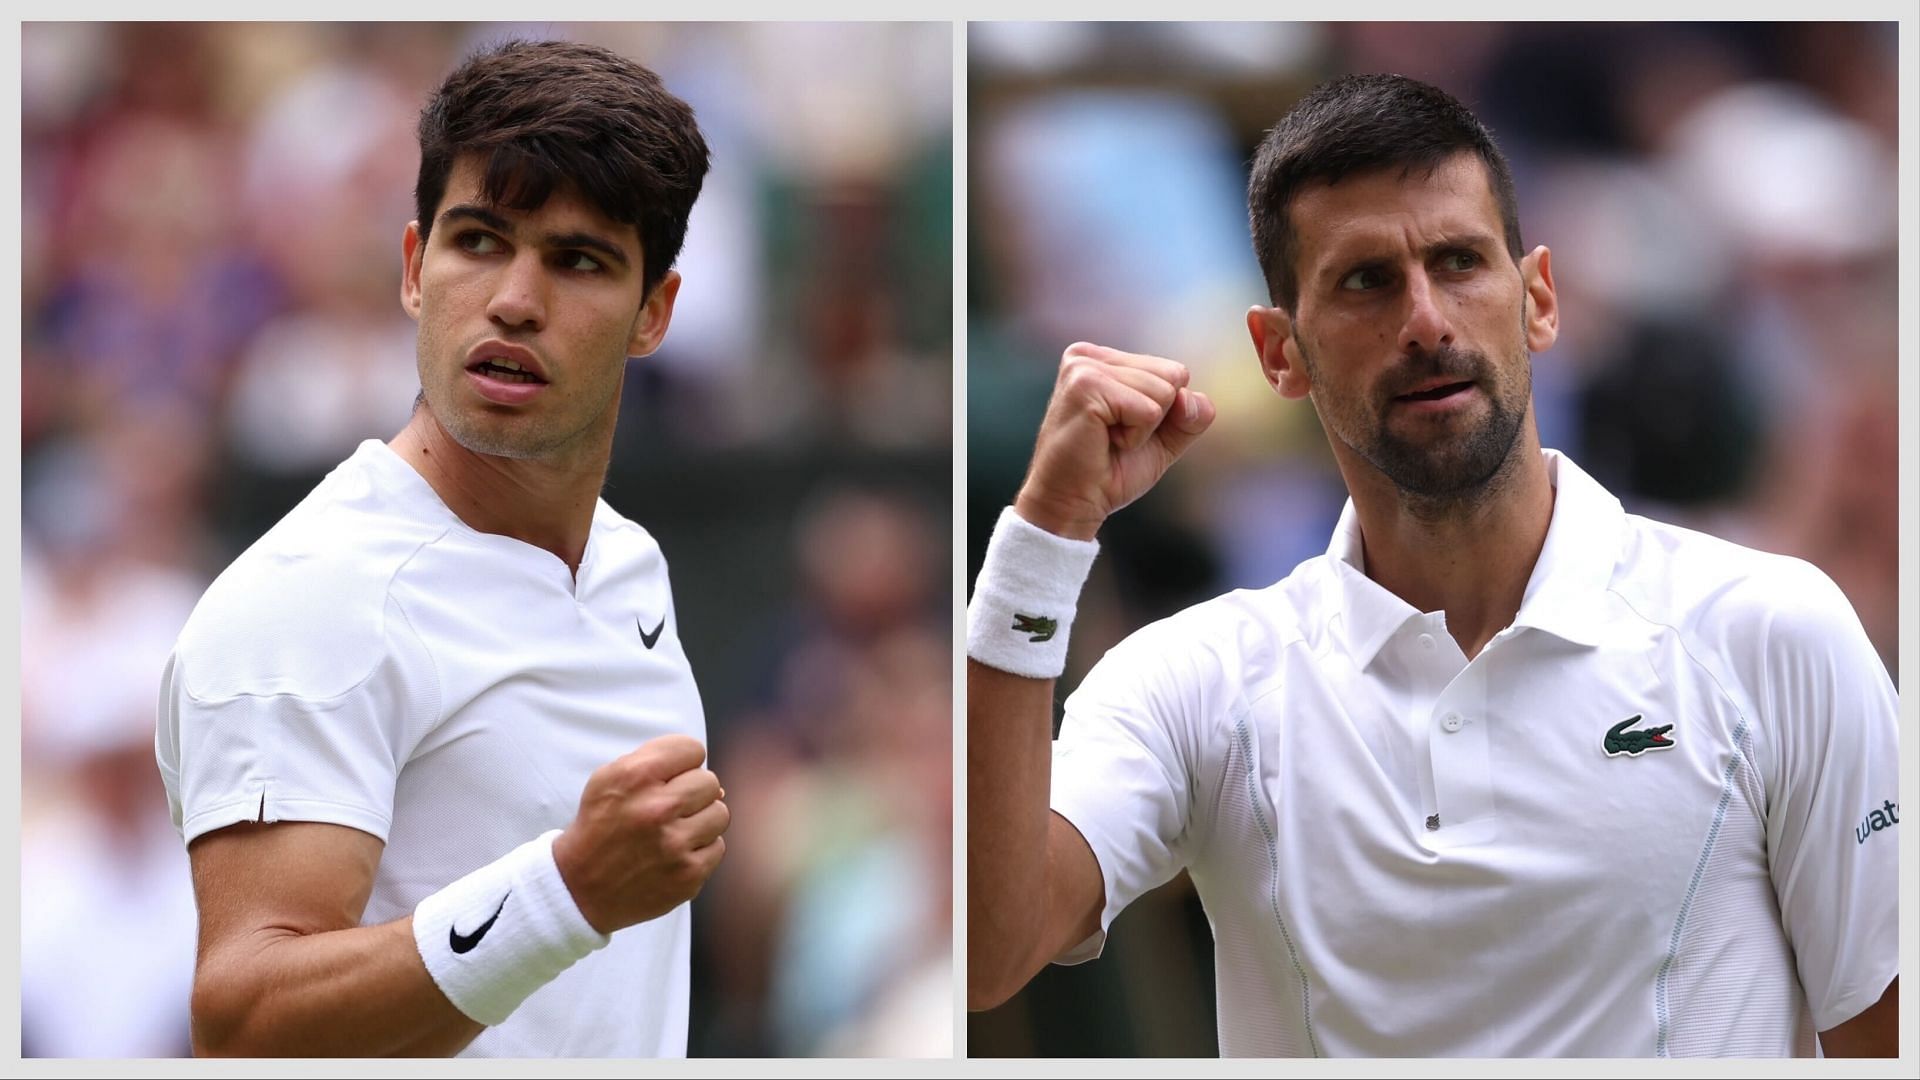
461 943
645 637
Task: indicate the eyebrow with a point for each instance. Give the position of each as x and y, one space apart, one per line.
1468 241
1457 241
500 224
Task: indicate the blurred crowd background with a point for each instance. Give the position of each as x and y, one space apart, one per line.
210 244
1720 202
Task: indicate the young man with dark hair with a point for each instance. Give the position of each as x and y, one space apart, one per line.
432 741
1508 771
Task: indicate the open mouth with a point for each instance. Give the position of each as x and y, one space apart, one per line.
505 371
1436 393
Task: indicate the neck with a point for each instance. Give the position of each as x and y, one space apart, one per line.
1469 556
547 503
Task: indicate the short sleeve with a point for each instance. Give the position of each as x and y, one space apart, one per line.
1124 770
264 719
1833 790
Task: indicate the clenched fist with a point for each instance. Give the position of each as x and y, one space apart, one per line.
1116 421
647 835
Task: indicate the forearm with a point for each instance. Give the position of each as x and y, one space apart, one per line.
1009 771
362 992
1116 421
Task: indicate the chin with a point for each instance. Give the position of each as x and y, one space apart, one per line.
1444 468
495 436
515 445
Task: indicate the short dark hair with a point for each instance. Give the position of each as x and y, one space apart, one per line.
551 114
1358 124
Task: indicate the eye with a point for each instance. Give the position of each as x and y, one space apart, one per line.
1367 277
476 242
1459 261
581 261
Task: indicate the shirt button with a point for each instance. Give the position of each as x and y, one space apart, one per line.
1426 641
1452 722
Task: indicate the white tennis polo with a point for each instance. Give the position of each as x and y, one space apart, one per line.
1655 816
375 663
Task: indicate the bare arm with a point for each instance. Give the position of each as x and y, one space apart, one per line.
1115 423
284 966
1017 849
1873 1033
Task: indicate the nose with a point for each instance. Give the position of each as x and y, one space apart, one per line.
1427 327
519 300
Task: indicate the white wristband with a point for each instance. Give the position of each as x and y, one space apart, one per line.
1025 597
500 933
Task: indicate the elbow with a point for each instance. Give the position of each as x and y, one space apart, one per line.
211 1029
223 1014
982 996
992 979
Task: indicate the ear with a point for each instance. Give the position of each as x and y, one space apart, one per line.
1280 360
1541 318
656 311
412 250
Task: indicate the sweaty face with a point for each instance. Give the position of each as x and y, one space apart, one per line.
1411 325
527 318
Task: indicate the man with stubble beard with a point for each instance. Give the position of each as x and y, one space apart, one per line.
432 741
1507 771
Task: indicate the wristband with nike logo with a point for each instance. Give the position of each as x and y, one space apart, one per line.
500 933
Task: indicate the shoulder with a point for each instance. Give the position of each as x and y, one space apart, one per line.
1775 631
625 541
1224 649
1725 592
305 610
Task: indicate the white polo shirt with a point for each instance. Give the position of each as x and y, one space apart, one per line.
1653 817
375 663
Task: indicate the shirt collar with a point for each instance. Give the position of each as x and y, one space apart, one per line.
1564 596
1366 613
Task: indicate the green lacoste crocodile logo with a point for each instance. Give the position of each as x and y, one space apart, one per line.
1039 626
1633 743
